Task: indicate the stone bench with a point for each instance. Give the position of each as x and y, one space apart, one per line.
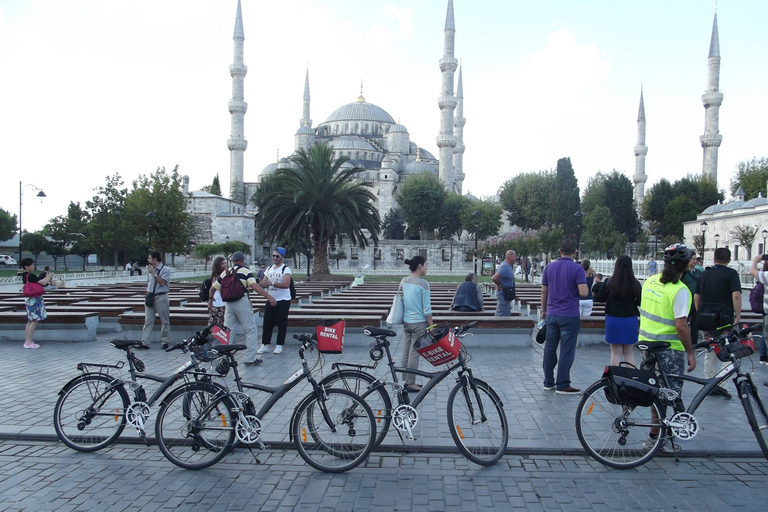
60 326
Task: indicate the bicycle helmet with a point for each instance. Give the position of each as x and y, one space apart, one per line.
676 253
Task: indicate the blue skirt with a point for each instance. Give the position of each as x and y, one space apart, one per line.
621 330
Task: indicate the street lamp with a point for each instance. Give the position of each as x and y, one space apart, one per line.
41 195
717 239
703 228
578 216
656 234
477 216
309 216
764 235
151 223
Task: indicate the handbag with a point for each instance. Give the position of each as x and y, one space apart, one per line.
32 289
397 311
509 293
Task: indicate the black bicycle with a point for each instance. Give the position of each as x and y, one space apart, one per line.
94 408
623 424
333 429
476 415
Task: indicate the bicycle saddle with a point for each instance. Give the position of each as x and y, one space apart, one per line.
652 346
226 349
125 344
375 332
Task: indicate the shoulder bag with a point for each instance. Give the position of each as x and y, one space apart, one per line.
397 311
32 289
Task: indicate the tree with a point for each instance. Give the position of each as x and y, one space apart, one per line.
77 228
206 251
698 243
421 199
680 209
599 234
56 229
106 210
564 201
230 247
35 243
550 238
643 247
613 191
527 198
338 255
700 193
8 225
454 209
745 235
343 206
214 188
751 176
393 227
488 222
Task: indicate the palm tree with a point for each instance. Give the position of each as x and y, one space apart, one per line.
342 206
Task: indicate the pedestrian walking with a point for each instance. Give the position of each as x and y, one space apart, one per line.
35 305
278 279
504 278
239 312
718 303
417 316
622 294
157 302
216 305
562 284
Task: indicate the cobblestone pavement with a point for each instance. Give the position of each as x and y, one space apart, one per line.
43 476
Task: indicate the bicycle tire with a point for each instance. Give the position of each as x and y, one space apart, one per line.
608 431
90 412
757 416
378 399
195 426
476 439
328 451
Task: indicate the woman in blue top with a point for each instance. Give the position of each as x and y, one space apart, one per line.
417 316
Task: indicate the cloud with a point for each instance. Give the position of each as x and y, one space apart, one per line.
399 27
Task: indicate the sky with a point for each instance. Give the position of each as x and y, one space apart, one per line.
92 88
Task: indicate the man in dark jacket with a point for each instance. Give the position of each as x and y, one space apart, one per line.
469 295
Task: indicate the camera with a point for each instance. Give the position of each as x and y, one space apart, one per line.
765 257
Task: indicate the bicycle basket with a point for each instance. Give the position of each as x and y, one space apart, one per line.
739 349
443 346
330 336
629 386
203 351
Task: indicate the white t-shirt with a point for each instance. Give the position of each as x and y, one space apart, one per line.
681 304
128 266
217 302
275 275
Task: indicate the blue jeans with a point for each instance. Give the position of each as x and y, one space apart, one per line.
562 330
503 307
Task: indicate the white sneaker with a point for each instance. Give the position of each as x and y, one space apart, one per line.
278 349
262 349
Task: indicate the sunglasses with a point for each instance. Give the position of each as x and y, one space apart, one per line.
277 255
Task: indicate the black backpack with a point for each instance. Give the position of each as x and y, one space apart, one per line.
292 287
204 292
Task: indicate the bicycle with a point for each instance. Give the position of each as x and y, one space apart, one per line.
94 408
615 430
332 429
475 411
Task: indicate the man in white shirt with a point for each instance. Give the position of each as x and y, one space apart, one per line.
278 279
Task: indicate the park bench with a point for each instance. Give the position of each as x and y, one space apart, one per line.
60 326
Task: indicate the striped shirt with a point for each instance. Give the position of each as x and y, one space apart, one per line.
245 275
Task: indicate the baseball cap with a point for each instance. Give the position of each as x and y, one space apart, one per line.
281 251
238 256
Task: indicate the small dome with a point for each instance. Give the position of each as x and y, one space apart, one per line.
398 128
305 129
270 169
418 166
360 111
347 142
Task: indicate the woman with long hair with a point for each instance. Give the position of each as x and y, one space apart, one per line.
622 299
417 316
215 304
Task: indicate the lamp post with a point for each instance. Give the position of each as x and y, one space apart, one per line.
656 234
41 195
578 216
151 224
310 217
477 216
703 228
764 235
717 240
375 253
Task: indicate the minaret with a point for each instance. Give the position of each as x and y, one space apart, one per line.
305 135
712 100
640 151
445 139
237 107
458 125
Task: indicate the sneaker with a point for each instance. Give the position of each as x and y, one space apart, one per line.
764 360
143 346
164 346
262 349
548 388
570 390
666 447
278 349
31 345
254 362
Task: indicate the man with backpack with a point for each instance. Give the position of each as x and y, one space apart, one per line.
233 284
761 278
278 278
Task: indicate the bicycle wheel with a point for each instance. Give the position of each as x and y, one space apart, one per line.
341 445
90 412
378 399
756 413
195 425
617 435
483 441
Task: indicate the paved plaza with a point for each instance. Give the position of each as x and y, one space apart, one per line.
544 469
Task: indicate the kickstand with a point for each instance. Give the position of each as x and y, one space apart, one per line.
254 455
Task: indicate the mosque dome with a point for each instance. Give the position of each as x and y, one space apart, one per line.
351 142
360 111
305 129
418 166
398 128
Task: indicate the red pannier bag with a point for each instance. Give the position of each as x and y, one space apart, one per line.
221 334
443 346
330 336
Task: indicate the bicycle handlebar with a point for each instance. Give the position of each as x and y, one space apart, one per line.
464 328
735 331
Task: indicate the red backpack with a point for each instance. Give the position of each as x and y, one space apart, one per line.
231 287
756 298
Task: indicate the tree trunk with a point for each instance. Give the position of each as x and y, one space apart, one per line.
320 255
55 263
173 259
66 269
116 251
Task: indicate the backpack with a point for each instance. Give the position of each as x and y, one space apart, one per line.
205 289
231 287
292 288
756 297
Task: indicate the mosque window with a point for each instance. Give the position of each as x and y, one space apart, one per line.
365 128
399 254
336 130
365 155
349 154
353 255
374 130
357 128
357 155
346 127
